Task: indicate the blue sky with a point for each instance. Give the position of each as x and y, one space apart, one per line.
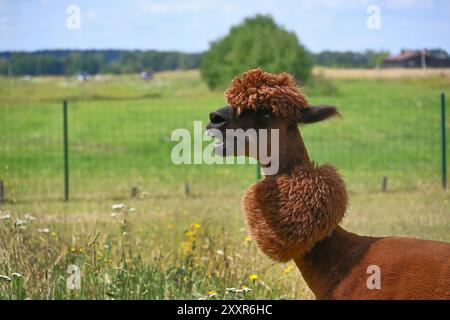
190 25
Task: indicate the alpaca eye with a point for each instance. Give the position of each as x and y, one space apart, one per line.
265 114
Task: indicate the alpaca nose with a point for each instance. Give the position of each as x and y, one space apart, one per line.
216 118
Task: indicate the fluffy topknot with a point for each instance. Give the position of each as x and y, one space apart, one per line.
277 92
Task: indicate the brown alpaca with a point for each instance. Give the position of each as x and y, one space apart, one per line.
295 214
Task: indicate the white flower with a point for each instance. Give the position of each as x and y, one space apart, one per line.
43 230
3 277
220 252
16 275
29 217
5 216
118 206
132 209
20 222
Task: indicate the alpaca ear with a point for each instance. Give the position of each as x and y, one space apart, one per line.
318 113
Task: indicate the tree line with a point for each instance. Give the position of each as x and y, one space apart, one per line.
70 62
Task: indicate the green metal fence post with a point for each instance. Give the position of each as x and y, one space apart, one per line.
66 151
444 149
258 171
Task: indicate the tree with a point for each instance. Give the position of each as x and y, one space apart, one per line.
257 42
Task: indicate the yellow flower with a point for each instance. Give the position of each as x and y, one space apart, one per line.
253 277
248 239
189 234
287 269
196 226
185 279
73 249
245 288
212 293
186 246
81 250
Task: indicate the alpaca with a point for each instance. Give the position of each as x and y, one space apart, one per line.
295 213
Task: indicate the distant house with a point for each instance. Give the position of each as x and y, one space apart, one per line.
418 59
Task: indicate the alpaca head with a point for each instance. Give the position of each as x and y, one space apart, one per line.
260 102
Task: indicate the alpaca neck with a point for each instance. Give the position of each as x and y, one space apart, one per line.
331 259
292 150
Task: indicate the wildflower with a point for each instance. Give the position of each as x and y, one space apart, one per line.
234 290
3 277
186 246
81 250
132 209
53 234
195 226
43 230
248 239
5 216
73 249
287 269
185 279
245 288
16 275
119 206
220 252
29 217
20 222
212 294
189 234
253 277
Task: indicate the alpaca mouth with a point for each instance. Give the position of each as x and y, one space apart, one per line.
217 135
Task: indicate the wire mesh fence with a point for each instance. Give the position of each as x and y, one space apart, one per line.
121 147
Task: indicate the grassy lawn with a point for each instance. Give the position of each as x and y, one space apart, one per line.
165 244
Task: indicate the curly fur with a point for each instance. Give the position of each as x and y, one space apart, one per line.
259 89
295 214
288 214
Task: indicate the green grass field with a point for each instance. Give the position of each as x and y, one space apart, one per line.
165 244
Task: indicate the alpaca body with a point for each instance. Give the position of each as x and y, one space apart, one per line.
295 213
337 267
296 217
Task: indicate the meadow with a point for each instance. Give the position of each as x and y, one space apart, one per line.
182 234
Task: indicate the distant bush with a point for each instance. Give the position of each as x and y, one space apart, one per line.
318 85
257 42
